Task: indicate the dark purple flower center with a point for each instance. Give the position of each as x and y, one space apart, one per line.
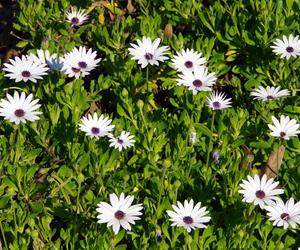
197 83
216 105
282 134
290 49
188 64
82 65
269 97
75 20
188 220
26 73
148 56
120 141
76 70
95 130
260 194
19 112
119 215
285 216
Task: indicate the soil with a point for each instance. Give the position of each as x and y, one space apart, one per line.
7 41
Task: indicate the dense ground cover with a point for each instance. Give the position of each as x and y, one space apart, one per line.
53 175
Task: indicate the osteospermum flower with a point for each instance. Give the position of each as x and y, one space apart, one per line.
19 108
269 93
76 17
260 191
24 69
199 80
187 60
44 57
80 62
218 101
284 214
95 126
120 213
284 128
287 47
125 140
147 52
188 216
193 137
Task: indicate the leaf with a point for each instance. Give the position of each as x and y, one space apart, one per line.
205 22
3 201
121 111
274 162
101 18
22 44
205 130
260 144
119 237
121 247
132 160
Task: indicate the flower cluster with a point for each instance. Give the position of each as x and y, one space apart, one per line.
77 63
264 192
121 213
97 127
193 73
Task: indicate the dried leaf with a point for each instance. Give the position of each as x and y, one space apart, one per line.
93 107
168 31
247 159
274 162
10 55
130 7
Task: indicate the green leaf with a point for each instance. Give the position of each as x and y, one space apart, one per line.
203 129
4 201
22 44
260 144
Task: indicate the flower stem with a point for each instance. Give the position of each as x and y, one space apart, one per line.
3 235
210 140
147 78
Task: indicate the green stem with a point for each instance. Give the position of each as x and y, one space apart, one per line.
147 78
278 160
161 189
187 243
76 214
211 139
3 235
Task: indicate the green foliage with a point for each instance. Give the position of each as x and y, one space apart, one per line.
53 177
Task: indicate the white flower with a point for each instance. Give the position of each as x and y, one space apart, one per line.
193 137
199 80
19 108
188 216
284 214
44 57
187 60
76 17
148 52
284 128
80 62
25 69
96 127
269 93
119 213
287 47
260 191
125 140
218 101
